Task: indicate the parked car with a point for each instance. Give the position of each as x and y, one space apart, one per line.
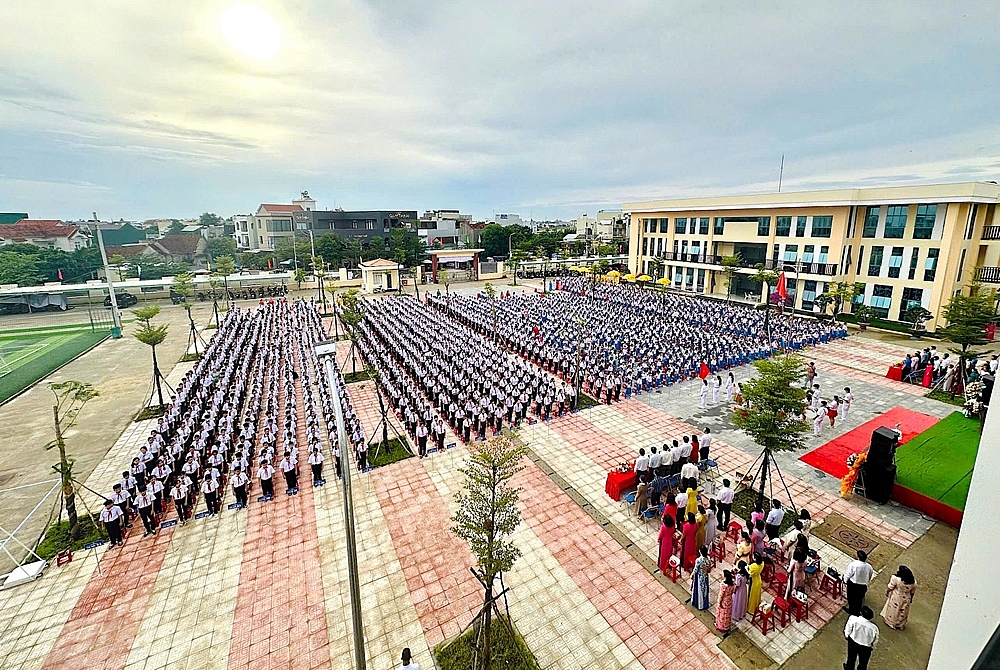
123 299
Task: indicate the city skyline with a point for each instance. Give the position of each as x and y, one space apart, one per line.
142 111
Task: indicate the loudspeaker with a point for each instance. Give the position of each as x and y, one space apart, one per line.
882 449
987 389
879 482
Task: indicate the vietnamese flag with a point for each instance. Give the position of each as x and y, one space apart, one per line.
59 271
781 289
704 372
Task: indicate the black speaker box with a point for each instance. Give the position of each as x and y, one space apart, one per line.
879 482
882 449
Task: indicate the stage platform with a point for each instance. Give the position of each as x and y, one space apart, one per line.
831 458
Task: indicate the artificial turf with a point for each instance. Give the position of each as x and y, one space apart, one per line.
33 357
938 462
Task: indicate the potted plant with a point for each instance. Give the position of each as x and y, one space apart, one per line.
865 314
916 316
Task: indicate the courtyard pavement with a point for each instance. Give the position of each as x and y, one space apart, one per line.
267 587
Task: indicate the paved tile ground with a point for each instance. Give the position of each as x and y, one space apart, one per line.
268 587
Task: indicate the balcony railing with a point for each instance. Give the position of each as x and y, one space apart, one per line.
828 269
991 233
988 275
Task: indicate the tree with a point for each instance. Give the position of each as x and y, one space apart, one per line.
225 266
608 250
516 258
968 316
351 315
117 260
768 278
730 268
209 219
300 276
71 396
19 269
406 248
184 285
486 518
496 240
656 265
444 277
220 246
771 414
151 336
176 227
840 293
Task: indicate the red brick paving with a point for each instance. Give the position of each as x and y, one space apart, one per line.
105 621
280 618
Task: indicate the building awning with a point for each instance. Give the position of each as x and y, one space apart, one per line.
459 259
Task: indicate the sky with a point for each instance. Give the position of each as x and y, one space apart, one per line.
137 109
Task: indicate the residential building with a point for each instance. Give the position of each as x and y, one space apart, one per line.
115 234
176 248
470 233
903 245
442 226
243 225
367 226
46 233
609 224
509 220
272 224
12 217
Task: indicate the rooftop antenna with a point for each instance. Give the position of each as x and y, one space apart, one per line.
781 171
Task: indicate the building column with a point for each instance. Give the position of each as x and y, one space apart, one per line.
434 268
475 266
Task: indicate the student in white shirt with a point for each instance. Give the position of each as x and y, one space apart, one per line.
654 460
857 577
240 481
111 517
144 504
642 466
316 464
210 488
706 444
287 466
266 473
862 636
845 405
407 661
725 497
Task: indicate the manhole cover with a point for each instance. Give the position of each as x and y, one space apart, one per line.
853 539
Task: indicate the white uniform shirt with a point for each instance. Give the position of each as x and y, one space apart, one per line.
858 572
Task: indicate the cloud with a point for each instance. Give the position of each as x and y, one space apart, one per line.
550 107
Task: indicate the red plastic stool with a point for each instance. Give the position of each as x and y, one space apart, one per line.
778 584
767 574
832 587
763 619
784 611
718 551
733 532
801 608
63 557
674 565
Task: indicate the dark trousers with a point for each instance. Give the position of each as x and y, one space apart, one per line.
362 459
212 502
291 480
725 509
241 495
440 441
336 460
146 514
422 445
857 652
317 469
772 531
855 597
267 487
114 529
182 508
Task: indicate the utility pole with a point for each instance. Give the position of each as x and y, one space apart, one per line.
327 351
116 317
781 172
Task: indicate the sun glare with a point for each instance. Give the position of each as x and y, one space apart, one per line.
251 31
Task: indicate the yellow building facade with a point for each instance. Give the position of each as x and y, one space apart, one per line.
907 245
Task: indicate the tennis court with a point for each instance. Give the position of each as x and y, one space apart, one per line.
26 358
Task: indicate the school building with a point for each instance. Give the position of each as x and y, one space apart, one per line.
906 245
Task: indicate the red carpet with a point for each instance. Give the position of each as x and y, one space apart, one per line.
831 458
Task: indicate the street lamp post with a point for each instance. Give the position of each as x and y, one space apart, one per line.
510 256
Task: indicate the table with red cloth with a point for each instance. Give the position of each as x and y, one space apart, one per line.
895 373
618 481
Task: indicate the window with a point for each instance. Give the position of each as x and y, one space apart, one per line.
791 253
659 246
664 225
675 249
646 226
680 226
895 222
807 253
861 256
871 223
701 279
875 261
970 225
808 294
703 226
684 249
822 226
783 226
845 261
774 252
720 225
930 265
800 227
695 248
859 299
763 226
895 262
914 259
645 246
824 253
961 266
923 225
693 225
881 300
911 297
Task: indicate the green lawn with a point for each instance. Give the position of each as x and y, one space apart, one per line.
29 358
938 462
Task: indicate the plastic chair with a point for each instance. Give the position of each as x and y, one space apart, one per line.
713 469
627 499
733 532
812 573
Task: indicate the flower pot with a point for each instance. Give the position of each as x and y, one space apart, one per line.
862 326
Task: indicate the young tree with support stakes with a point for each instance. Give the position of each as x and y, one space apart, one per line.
768 278
351 315
152 336
730 268
183 285
486 518
71 396
772 412
840 293
225 266
656 265
299 277
517 256
444 277
968 316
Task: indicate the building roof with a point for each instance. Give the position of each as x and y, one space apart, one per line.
35 228
381 263
12 217
128 250
976 191
179 244
281 209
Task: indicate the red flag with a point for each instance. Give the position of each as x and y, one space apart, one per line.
704 372
269 264
60 274
781 289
